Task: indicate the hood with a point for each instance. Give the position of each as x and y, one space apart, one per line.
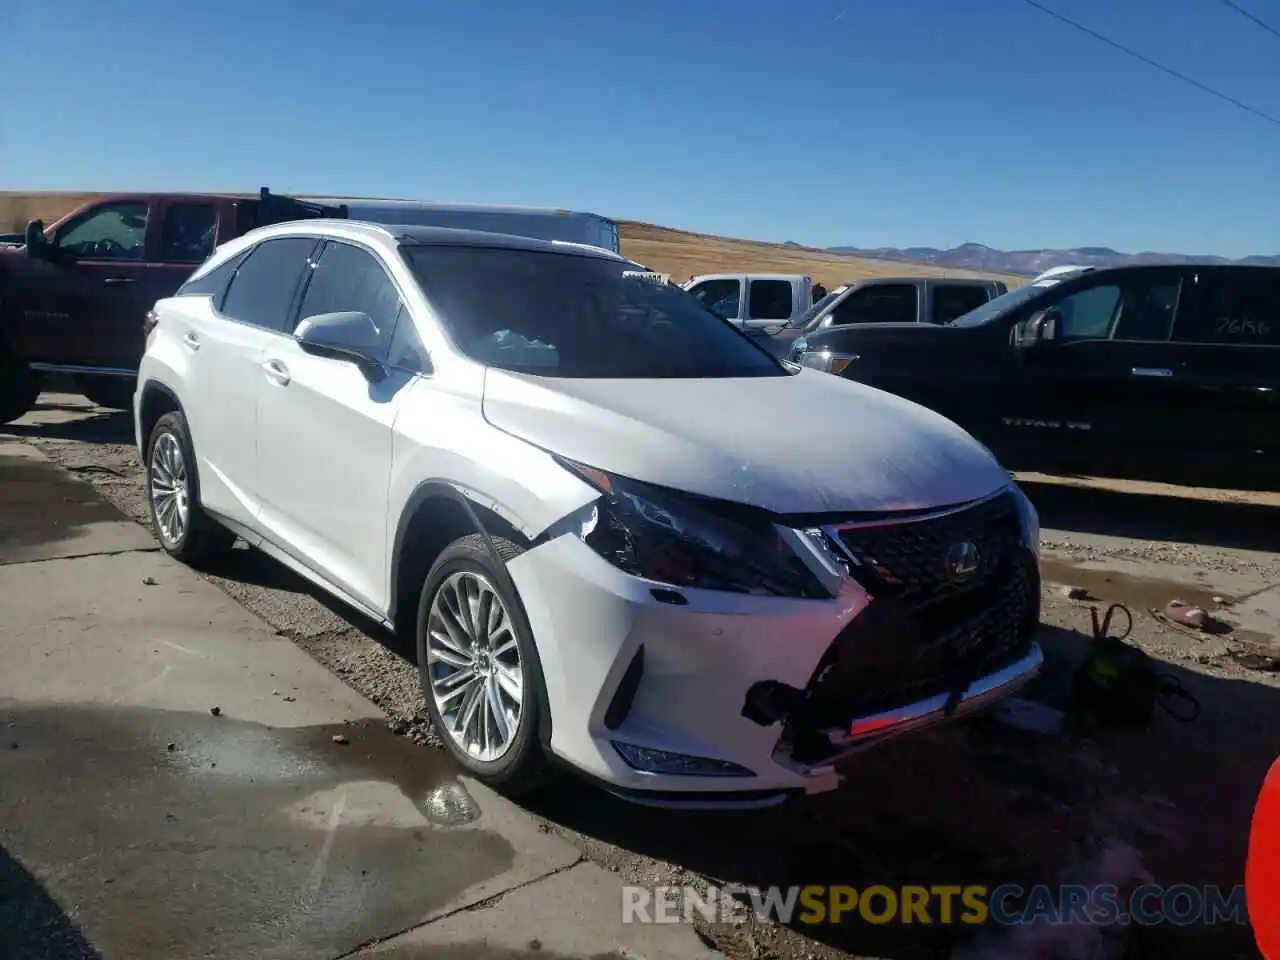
808 443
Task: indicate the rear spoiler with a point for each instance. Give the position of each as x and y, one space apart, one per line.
275 208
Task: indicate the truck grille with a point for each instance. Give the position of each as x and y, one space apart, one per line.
926 631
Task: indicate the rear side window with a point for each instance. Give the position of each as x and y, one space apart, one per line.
1237 307
879 303
212 284
952 300
348 278
769 300
189 232
722 297
262 289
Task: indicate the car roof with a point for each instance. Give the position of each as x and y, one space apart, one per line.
387 236
375 203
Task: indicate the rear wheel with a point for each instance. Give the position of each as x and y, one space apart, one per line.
480 671
19 387
173 493
114 393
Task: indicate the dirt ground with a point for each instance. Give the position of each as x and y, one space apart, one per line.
975 802
677 252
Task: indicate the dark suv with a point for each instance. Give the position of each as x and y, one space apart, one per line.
73 300
1168 372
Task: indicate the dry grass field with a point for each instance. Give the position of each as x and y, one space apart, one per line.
677 252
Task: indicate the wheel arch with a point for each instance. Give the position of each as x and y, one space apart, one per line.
158 398
435 515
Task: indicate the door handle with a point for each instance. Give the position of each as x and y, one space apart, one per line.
120 280
276 372
192 341
1152 372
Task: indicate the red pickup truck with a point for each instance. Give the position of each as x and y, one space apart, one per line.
73 298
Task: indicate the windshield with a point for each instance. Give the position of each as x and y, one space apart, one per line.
560 315
1003 303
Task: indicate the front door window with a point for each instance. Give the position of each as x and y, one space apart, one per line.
113 231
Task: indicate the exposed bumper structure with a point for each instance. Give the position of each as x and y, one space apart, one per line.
699 698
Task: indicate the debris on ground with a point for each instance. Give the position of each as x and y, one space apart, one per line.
1030 716
150 581
215 711
1259 662
340 739
1186 614
1075 593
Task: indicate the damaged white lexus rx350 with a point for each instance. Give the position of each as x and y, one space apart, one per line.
624 536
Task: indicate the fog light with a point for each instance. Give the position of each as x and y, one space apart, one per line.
648 760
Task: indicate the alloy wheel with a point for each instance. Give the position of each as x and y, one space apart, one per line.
474 665
169 491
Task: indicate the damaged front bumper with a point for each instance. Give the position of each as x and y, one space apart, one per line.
704 699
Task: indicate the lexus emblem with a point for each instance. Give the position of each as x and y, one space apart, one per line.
963 560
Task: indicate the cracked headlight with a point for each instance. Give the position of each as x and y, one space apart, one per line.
687 541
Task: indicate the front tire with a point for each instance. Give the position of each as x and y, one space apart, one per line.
481 675
184 530
19 387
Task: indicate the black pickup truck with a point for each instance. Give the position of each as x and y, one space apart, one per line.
73 299
1161 372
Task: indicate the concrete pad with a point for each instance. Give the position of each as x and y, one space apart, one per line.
46 514
1259 616
577 913
135 824
141 630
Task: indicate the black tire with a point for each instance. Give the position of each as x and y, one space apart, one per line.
523 768
202 537
114 393
19 387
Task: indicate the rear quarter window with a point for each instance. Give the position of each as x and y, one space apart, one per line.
212 284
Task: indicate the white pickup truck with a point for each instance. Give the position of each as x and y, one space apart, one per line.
755 301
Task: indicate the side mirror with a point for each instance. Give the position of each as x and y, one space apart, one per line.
35 240
349 335
1040 327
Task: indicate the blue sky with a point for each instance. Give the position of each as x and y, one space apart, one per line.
903 122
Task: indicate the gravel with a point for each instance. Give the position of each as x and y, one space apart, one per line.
970 802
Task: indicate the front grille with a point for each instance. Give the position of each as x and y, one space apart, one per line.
924 633
908 561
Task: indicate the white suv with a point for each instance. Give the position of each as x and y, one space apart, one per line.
623 535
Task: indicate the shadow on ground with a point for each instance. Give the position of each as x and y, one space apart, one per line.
39 503
217 837
102 426
981 803
32 925
1148 516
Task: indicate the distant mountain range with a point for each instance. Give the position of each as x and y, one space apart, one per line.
976 256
